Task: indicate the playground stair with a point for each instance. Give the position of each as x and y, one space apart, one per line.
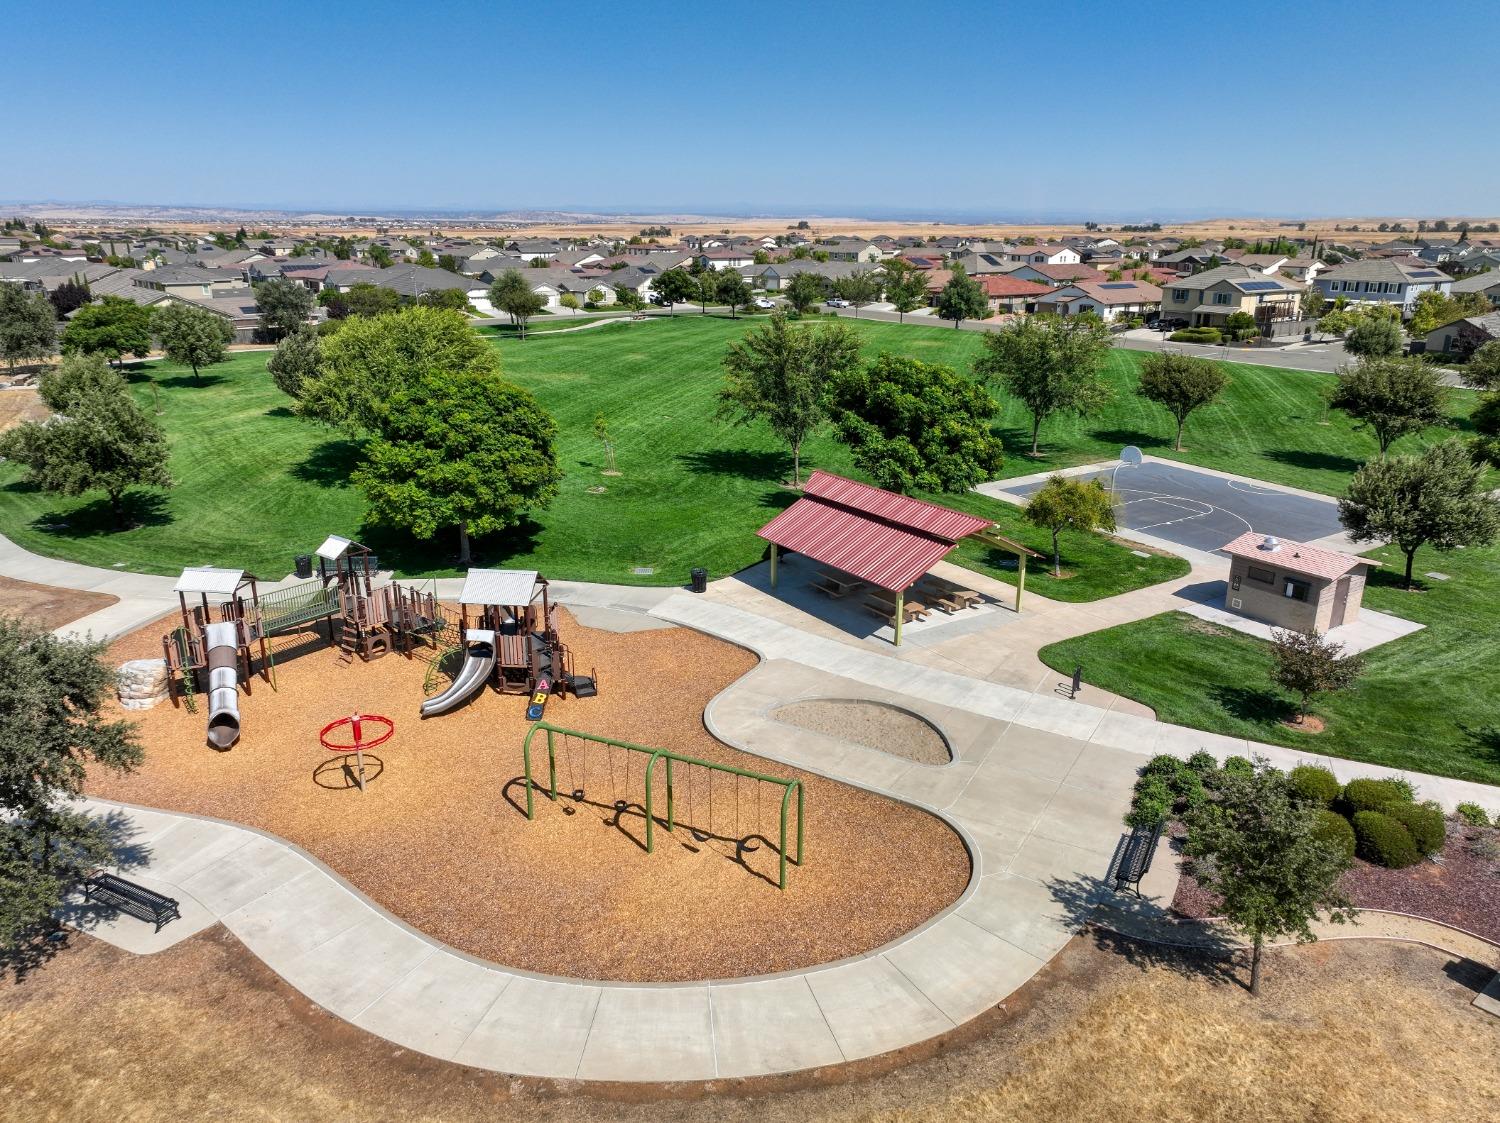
348 641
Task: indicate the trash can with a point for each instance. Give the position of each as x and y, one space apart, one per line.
700 579
303 562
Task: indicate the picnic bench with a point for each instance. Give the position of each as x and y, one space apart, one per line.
832 585
949 597
1132 858
128 897
910 610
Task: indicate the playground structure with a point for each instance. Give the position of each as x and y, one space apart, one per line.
358 742
512 644
702 828
222 639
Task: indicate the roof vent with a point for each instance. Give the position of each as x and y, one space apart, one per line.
1270 545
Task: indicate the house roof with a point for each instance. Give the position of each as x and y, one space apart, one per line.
1061 273
878 536
1115 292
1295 557
1479 282
1386 269
1488 323
1003 284
1241 277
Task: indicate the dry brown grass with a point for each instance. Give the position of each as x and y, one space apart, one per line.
47 606
20 405
439 837
1350 1031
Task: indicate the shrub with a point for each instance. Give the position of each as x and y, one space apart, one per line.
1315 784
1373 795
1239 766
1335 830
1424 824
1384 841
1473 814
1196 335
1202 762
1164 765
1151 803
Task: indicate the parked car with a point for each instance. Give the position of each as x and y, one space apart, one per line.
764 302
837 302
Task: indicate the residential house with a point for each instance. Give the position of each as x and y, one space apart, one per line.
1487 283
409 281
1053 275
191 280
725 258
1046 254
1109 300
1207 299
779 274
1383 281
978 264
1462 337
529 248
1187 261
850 249
1008 293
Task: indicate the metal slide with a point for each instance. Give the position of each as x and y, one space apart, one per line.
222 641
479 661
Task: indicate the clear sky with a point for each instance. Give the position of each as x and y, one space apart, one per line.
1110 109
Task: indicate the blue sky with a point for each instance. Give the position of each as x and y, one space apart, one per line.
990 110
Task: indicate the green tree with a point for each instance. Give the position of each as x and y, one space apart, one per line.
463 450
905 288
1180 384
425 259
295 361
28 325
1312 303
780 374
114 327
629 299
804 291
1374 337
365 299
512 294
915 425
1434 309
380 255
673 287
859 288
1391 396
1482 371
1050 364
1257 847
570 301
367 361
1437 499
69 297
601 434
1486 421
284 306
101 441
1066 504
707 283
51 731
1239 326
454 300
962 299
734 291
1307 664
447 262
192 336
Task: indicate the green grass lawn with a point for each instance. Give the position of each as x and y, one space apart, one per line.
257 485
1426 702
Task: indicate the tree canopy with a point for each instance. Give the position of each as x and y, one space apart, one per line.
1050 364
962 298
1374 337
1437 499
28 325
1256 845
459 449
295 361
674 286
284 305
1307 664
780 374
1391 396
804 291
916 426
192 336
859 288
907 291
114 327
1180 384
1068 504
1482 371
101 440
1434 309
367 361
51 730
512 294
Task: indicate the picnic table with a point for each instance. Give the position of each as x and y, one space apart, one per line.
948 596
835 585
910 609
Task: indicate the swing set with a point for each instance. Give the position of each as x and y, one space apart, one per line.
672 761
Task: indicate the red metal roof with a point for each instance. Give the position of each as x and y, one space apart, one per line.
878 536
1296 557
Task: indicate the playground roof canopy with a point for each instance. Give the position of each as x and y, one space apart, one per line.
333 547
208 579
878 536
498 586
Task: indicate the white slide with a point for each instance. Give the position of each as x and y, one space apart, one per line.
479 661
223 684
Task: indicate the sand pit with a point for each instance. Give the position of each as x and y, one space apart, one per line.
874 725
439 838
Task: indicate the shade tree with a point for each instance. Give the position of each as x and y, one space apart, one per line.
28 325
191 336
284 306
1051 365
962 298
1308 664
1180 384
804 291
1390 395
114 327
513 294
1067 504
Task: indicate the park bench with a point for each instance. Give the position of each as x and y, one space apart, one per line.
910 610
946 595
1133 856
128 897
833 585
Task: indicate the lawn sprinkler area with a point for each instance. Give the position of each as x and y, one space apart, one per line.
439 836
1200 510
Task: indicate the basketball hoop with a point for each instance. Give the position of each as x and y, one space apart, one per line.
360 738
1130 457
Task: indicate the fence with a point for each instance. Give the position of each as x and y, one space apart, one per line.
670 758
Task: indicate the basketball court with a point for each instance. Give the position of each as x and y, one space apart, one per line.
1200 510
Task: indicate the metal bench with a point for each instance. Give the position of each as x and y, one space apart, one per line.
128 897
1133 856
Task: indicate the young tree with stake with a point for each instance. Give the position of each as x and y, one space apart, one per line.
1307 664
804 291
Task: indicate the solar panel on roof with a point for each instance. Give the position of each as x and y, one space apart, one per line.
1428 273
1257 286
1118 285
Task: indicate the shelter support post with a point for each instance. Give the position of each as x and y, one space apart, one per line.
900 612
1020 578
774 549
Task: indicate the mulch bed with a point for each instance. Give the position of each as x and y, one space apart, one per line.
440 839
1461 888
